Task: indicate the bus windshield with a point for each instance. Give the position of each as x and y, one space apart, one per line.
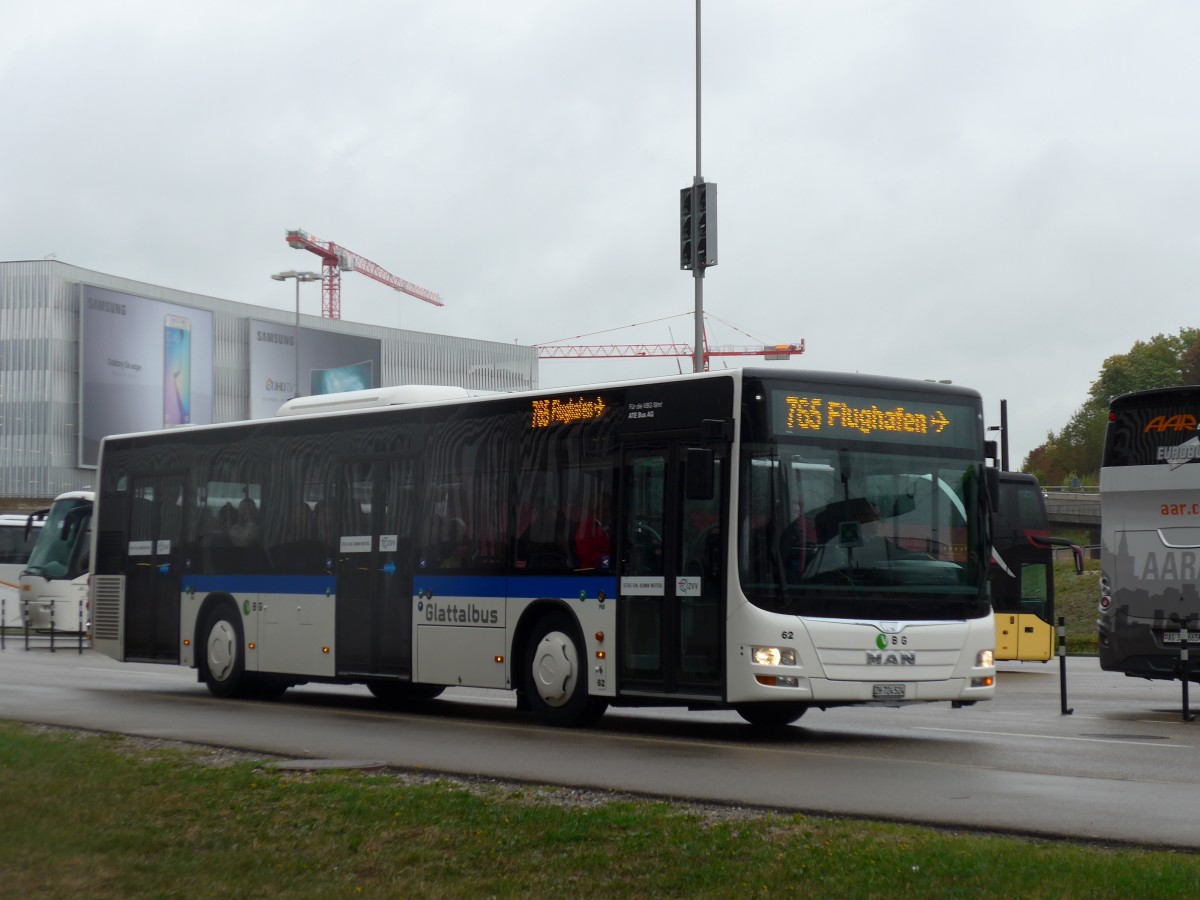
61 548
855 531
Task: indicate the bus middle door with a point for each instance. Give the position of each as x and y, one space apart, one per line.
154 570
669 624
375 512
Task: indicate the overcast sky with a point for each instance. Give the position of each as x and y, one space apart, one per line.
1001 194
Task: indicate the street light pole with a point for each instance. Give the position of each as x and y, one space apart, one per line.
299 277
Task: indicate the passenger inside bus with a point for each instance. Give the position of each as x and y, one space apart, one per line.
245 531
592 542
456 546
542 544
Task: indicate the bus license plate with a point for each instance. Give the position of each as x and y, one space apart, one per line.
1172 637
888 690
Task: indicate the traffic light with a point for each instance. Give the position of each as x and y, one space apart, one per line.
705 218
686 237
698 225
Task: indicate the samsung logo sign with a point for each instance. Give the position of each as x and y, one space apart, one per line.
274 337
107 306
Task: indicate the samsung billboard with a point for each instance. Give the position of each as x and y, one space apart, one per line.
327 364
143 365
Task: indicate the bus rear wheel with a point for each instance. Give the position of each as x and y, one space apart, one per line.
223 659
771 715
556 679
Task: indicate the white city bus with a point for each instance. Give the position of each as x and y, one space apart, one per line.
1150 531
54 583
760 540
17 534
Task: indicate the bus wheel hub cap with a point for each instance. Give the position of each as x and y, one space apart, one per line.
221 652
554 668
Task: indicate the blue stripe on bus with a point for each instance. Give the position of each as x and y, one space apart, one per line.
516 585
497 586
262 584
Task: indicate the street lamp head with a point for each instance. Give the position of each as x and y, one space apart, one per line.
283 276
309 276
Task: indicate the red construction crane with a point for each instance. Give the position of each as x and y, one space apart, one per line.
556 350
336 259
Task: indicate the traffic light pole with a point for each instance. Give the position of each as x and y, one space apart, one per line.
698 268
698 271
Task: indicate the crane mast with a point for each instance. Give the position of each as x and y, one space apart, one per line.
336 259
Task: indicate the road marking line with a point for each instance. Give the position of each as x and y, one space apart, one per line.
1057 737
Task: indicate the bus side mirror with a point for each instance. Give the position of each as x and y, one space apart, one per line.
38 516
701 473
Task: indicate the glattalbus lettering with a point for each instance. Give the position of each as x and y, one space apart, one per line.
453 614
1170 566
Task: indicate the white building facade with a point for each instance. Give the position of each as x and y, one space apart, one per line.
84 354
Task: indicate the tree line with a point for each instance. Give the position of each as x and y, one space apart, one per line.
1163 361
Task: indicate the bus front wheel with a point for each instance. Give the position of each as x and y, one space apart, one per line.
224 660
556 678
771 715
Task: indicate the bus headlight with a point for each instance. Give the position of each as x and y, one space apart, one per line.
985 660
773 656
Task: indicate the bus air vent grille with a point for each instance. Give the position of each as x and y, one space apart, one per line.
107 593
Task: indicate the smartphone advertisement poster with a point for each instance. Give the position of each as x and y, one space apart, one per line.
329 363
144 365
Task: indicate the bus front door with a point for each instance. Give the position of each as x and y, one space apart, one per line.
671 587
154 568
375 511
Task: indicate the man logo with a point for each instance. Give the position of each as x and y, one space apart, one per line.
891 659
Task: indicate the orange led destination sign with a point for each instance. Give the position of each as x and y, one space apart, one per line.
565 411
826 415
806 413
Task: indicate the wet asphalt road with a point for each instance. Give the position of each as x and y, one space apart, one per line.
1122 767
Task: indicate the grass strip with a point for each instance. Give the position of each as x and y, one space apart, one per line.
104 816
